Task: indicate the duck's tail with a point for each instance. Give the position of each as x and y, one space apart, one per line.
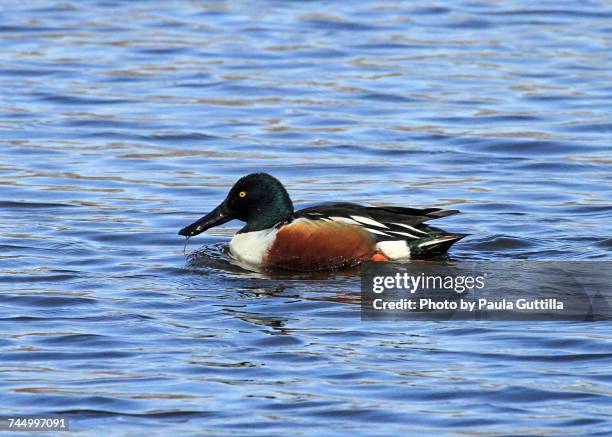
435 245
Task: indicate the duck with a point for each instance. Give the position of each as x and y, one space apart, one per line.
328 236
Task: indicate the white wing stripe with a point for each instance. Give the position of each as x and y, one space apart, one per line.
410 228
368 221
436 241
346 220
404 233
374 231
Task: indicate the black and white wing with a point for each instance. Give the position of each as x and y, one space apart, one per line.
391 224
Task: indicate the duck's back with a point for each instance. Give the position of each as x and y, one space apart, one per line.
337 235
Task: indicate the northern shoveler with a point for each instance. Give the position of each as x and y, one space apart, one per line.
321 237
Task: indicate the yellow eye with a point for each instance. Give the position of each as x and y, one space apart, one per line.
242 194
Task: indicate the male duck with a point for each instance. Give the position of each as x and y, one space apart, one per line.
322 237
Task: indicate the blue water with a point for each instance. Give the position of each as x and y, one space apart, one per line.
121 122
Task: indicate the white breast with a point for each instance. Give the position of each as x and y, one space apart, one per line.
250 247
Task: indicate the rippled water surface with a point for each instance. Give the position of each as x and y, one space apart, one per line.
121 122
